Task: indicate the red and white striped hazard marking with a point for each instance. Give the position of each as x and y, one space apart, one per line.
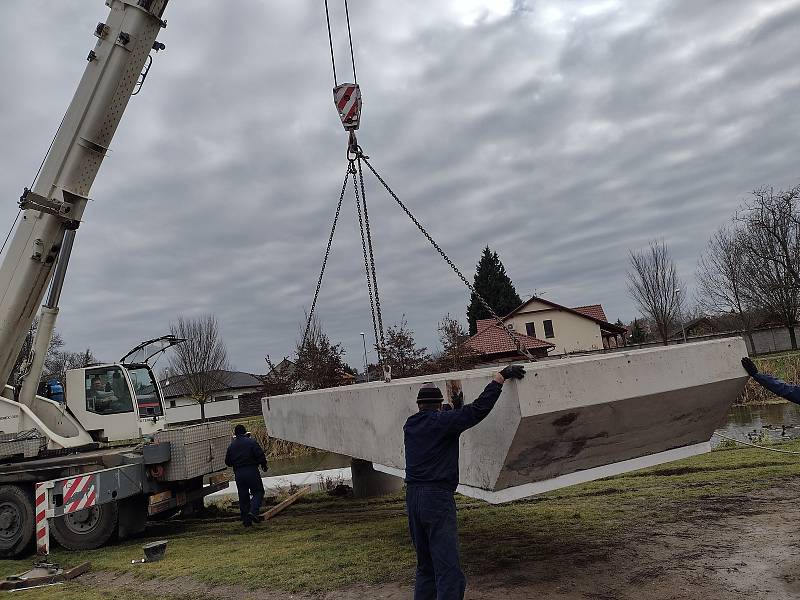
42 526
79 493
347 97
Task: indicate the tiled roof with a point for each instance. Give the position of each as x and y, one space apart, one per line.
491 339
593 310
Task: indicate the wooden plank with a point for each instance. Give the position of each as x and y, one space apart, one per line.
20 581
288 502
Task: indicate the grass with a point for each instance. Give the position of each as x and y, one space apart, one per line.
785 366
322 543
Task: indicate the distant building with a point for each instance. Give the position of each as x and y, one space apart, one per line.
492 344
579 329
224 403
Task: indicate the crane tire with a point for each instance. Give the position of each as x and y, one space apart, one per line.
17 521
86 529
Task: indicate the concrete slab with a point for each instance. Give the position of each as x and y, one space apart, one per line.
568 421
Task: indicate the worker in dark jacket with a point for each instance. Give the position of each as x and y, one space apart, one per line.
431 443
245 456
773 384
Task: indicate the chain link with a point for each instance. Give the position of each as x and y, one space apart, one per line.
367 270
520 348
350 169
371 255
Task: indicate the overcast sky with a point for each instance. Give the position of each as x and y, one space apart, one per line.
562 134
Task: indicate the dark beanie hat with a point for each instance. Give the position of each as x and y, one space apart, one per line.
429 394
239 429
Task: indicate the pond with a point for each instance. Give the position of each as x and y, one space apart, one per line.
779 421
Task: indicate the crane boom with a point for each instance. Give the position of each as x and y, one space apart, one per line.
56 203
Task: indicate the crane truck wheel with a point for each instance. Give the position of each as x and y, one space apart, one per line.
88 528
16 521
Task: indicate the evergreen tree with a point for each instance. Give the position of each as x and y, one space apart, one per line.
638 335
492 283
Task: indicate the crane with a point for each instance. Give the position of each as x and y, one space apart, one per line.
58 469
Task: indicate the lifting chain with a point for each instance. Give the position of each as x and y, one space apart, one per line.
520 348
379 342
325 260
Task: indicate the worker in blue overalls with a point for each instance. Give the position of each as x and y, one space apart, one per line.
245 455
772 383
431 442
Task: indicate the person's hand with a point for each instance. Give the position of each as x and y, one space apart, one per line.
749 366
513 372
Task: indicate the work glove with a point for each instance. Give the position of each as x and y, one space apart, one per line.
749 366
513 372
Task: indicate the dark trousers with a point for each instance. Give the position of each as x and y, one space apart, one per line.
434 533
248 482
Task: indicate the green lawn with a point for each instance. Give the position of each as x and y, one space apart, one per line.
323 543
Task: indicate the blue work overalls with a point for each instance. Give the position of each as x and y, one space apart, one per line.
431 443
245 455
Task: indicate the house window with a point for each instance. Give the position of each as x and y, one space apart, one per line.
548 329
221 398
172 403
530 329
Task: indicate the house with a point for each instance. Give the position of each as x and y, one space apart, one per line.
492 343
578 329
224 402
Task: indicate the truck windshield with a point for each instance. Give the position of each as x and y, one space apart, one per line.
147 396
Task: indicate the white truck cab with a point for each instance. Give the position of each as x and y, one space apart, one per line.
116 402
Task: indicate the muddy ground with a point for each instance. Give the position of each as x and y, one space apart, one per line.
743 546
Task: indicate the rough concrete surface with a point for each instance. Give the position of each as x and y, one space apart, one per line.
566 416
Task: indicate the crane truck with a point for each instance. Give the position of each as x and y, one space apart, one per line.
99 463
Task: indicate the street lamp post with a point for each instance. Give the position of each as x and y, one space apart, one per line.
366 367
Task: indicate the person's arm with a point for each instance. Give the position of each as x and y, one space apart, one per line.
772 383
469 415
779 387
228 460
258 454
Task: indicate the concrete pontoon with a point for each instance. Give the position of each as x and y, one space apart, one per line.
569 421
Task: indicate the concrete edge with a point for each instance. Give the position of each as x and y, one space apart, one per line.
539 487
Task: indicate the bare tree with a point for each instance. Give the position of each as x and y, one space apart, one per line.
319 362
722 278
769 284
201 362
654 284
456 354
401 352
772 220
57 364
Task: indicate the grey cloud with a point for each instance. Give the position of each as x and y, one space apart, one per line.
561 144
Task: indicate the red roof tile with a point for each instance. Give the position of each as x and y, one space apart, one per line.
593 310
491 339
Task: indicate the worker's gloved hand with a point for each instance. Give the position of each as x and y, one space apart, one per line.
513 372
749 366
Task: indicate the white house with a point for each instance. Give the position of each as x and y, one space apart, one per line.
233 385
578 329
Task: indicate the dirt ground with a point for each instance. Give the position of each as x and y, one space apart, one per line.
710 548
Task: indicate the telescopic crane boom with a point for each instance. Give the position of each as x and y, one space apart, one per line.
54 206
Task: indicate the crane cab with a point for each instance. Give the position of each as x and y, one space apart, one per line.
116 402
